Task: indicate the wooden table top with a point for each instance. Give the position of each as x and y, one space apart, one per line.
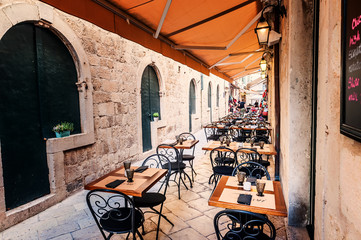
142 182
268 149
280 206
188 144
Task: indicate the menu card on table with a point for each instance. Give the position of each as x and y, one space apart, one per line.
231 196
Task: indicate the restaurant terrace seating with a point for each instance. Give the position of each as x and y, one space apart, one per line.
251 154
252 169
157 195
188 154
241 225
177 164
223 161
211 132
114 212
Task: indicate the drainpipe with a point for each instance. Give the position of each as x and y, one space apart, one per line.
277 99
311 224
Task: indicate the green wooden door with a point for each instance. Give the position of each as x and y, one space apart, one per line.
31 59
150 104
210 101
192 103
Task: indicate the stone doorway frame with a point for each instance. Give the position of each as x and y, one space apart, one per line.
46 16
147 61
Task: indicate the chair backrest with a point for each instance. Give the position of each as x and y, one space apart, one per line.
159 161
210 131
248 154
188 136
111 210
242 225
223 156
170 152
252 169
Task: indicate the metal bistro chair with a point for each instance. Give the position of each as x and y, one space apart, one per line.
188 154
251 154
242 225
223 161
261 134
157 194
114 212
177 164
252 169
211 132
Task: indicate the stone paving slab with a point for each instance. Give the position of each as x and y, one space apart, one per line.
191 215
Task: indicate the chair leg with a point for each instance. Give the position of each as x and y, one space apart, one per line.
180 177
188 179
161 214
143 231
210 178
193 171
184 182
140 235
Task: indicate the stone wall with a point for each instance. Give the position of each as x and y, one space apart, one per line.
337 205
295 103
116 68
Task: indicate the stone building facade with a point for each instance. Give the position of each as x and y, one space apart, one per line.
337 159
110 71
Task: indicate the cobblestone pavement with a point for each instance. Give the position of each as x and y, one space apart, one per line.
191 215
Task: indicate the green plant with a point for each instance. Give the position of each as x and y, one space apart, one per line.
155 114
64 126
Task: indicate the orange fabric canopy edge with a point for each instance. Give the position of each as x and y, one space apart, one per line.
149 12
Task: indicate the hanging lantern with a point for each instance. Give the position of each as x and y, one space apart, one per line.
263 75
263 65
262 30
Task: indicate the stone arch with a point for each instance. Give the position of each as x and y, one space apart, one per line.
46 16
148 61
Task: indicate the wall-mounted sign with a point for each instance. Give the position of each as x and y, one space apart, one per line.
350 124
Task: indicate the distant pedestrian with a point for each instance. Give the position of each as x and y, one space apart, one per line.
256 104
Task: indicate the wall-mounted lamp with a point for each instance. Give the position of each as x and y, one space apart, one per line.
263 28
263 65
263 75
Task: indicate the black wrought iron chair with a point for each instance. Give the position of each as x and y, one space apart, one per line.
177 165
211 132
188 154
262 134
223 161
114 212
156 195
242 225
251 154
252 169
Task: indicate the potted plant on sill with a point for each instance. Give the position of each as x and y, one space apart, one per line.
63 129
155 117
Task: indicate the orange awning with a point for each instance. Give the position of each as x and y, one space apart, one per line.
210 36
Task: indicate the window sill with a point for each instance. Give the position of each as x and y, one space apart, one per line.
55 145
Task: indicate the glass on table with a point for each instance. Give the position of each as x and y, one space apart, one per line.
260 185
241 176
130 174
261 144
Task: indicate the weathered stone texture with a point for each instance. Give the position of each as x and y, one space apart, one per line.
116 67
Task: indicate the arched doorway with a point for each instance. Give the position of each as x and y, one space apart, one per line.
150 104
210 101
192 103
38 90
